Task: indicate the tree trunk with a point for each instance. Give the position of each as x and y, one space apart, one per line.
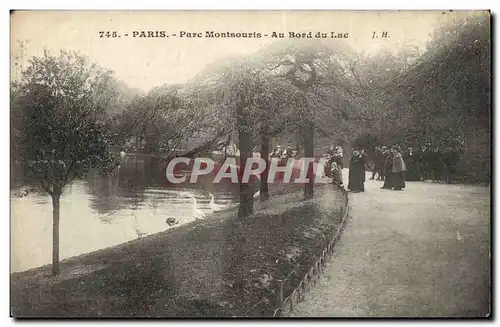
264 154
308 142
55 232
245 145
297 144
151 141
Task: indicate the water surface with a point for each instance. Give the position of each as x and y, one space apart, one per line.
102 211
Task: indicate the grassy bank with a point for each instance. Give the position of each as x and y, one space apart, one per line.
220 266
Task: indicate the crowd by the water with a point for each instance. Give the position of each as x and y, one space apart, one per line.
285 153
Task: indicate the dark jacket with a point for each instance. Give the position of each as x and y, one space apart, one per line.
356 173
388 164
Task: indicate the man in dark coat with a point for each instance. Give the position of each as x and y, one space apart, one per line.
426 158
363 161
417 156
436 164
410 158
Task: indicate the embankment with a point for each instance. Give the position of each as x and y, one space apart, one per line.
220 266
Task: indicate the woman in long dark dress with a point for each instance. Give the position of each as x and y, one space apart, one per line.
356 172
388 175
363 163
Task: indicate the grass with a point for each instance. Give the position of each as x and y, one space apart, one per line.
217 267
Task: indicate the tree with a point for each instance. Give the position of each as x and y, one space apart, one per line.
286 86
272 117
62 131
445 97
235 89
152 119
324 93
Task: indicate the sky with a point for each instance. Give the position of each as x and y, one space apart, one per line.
144 63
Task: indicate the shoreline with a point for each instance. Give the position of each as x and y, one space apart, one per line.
226 263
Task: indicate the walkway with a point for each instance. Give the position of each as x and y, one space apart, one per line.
422 252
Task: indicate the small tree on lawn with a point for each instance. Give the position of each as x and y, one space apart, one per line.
62 134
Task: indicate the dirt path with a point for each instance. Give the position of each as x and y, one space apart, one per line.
422 252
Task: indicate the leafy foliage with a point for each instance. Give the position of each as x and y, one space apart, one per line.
61 132
445 97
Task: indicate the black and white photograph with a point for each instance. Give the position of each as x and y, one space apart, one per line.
250 164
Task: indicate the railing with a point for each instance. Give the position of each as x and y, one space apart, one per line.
284 306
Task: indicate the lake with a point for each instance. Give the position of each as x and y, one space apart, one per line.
102 211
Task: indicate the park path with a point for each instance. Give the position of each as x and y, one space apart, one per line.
422 252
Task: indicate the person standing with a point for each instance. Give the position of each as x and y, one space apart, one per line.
279 152
419 163
363 162
375 170
381 162
426 163
287 153
336 174
388 183
356 172
437 164
398 169
412 173
337 157
328 165
276 152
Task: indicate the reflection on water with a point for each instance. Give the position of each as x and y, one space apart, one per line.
102 211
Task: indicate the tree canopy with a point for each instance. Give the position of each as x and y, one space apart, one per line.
61 129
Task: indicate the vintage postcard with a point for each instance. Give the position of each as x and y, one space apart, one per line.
250 164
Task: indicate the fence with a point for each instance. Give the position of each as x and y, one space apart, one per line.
285 306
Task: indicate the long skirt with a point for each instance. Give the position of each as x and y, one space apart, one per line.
388 181
399 180
356 182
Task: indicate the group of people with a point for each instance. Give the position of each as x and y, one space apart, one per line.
392 165
424 163
336 155
279 152
392 171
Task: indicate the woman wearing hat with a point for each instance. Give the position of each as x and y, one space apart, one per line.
357 172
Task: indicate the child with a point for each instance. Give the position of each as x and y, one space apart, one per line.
336 173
